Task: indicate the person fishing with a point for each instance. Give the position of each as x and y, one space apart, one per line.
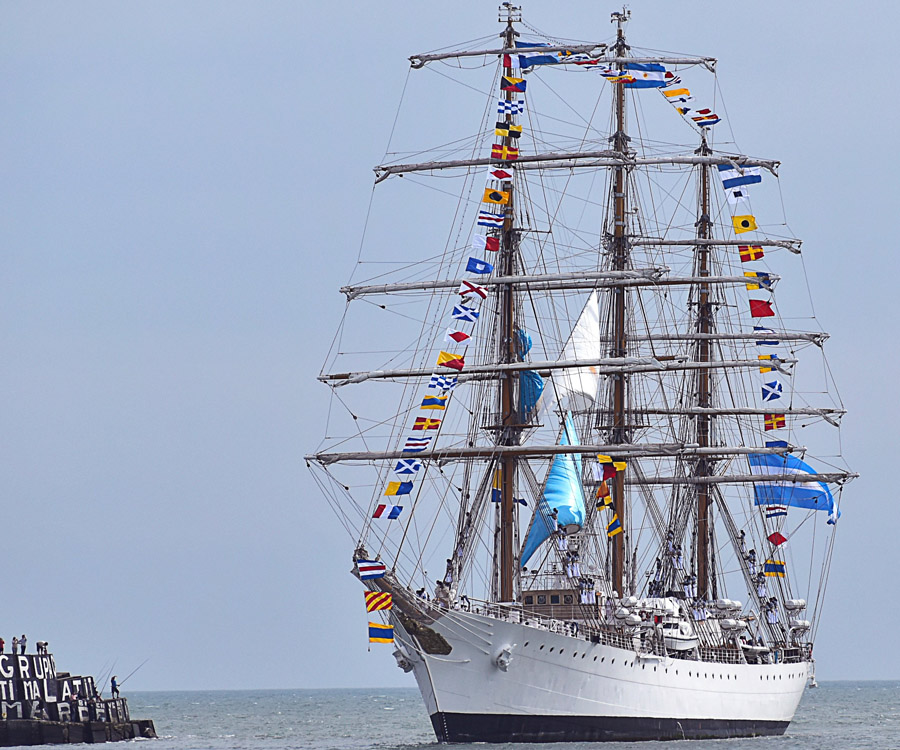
114 687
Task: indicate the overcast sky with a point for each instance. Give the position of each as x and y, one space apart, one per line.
183 189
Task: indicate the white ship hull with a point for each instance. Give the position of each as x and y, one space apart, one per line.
560 688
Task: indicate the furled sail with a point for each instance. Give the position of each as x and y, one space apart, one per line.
810 495
531 386
563 493
576 387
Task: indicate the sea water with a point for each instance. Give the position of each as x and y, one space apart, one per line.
834 716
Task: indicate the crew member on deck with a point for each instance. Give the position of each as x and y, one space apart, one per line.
114 687
15 645
22 642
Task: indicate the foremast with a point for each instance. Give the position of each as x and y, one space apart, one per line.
509 432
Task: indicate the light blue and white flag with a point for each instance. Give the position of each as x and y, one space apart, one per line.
645 76
811 495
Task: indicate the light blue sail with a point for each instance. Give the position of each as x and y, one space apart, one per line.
810 495
531 386
562 492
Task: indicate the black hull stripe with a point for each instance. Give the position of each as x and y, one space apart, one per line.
453 727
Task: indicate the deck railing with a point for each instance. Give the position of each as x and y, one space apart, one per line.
629 639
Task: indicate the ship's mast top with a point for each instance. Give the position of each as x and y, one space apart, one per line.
509 13
620 18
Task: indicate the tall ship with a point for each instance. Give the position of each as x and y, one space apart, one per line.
569 420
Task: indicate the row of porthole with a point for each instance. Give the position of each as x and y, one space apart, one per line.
781 677
561 651
643 666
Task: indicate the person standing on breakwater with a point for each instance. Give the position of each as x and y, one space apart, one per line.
114 687
22 641
15 645
2 645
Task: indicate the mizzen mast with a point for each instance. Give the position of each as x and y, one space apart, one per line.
703 400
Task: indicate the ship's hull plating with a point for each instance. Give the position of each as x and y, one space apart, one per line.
559 688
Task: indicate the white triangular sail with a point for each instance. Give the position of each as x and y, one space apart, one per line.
576 387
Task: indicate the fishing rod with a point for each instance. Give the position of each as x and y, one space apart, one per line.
106 679
134 670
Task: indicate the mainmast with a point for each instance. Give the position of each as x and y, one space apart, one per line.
619 303
509 431
704 326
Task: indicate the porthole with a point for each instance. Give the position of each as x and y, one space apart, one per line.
654 669
612 661
583 655
690 675
602 659
595 658
526 645
574 654
541 648
560 651
643 666
551 649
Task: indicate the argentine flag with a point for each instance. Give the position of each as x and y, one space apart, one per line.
645 76
811 495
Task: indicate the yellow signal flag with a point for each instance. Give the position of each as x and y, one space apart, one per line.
453 361
751 284
763 358
745 223
604 459
497 197
508 129
619 465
